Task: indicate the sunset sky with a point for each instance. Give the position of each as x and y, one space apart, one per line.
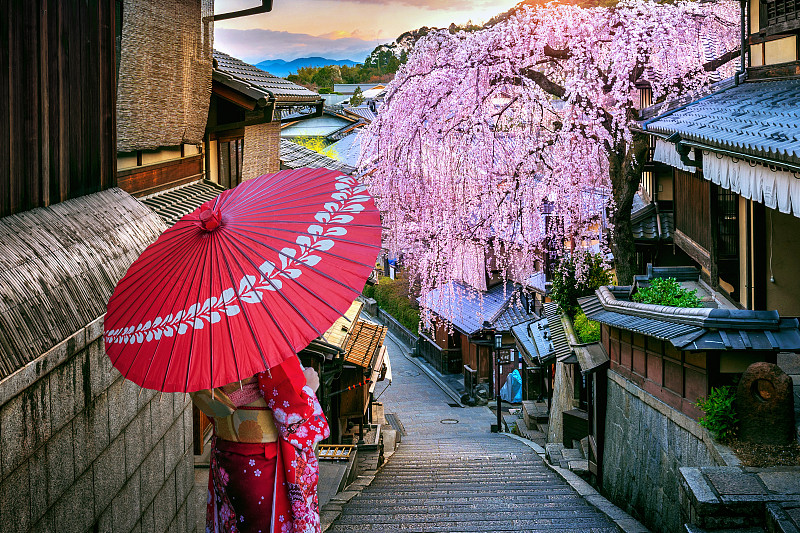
347 29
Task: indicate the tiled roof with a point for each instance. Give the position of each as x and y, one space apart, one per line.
346 150
339 332
759 118
323 126
692 337
467 308
558 336
171 205
705 328
365 343
533 339
283 90
294 155
511 315
644 222
362 111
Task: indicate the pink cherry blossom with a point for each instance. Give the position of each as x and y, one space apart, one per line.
484 133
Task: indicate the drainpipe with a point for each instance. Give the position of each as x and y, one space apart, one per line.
748 276
741 74
266 6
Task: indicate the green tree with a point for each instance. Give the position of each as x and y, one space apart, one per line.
568 285
358 97
326 76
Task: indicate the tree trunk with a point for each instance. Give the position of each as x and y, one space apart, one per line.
626 172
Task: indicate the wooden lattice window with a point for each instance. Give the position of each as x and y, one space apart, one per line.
692 207
780 12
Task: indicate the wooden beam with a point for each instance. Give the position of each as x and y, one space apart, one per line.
781 70
159 176
234 97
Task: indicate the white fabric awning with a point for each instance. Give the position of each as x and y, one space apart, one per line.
777 189
388 375
383 358
666 153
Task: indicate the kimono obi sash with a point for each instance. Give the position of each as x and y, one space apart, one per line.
250 423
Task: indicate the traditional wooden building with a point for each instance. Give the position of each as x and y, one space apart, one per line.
730 162
163 92
472 315
247 110
350 358
82 448
643 419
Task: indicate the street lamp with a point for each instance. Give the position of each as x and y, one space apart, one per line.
498 343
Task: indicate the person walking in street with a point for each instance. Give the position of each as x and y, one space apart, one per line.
263 472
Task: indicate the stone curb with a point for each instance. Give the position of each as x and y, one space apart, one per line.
625 522
333 509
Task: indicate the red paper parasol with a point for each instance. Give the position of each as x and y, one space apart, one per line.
244 282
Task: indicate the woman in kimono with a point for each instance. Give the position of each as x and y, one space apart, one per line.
263 472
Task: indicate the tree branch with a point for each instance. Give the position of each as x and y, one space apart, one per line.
714 64
557 54
546 84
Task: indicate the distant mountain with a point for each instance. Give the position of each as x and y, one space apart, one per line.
281 68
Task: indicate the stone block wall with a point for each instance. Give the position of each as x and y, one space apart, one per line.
82 449
646 442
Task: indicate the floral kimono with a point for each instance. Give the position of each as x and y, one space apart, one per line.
263 473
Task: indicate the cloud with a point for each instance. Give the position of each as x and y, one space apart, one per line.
258 44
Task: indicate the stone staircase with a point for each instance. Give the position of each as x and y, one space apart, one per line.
485 483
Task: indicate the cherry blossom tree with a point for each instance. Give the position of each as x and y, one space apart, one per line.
526 130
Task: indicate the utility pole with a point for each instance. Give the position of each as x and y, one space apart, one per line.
498 343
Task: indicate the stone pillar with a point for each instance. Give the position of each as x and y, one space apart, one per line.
765 405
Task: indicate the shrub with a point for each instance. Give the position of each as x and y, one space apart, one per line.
666 291
369 291
587 330
720 419
567 288
393 297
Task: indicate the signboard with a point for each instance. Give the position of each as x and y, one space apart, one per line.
505 357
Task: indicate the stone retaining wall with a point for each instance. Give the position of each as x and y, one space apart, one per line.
84 449
646 443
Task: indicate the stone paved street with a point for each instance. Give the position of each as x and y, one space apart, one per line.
449 476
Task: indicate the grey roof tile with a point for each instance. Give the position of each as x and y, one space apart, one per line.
533 340
645 220
693 337
294 155
173 204
260 81
362 111
759 118
558 335
467 308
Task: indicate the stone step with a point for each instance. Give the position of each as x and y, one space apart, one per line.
461 489
695 529
367 505
467 527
